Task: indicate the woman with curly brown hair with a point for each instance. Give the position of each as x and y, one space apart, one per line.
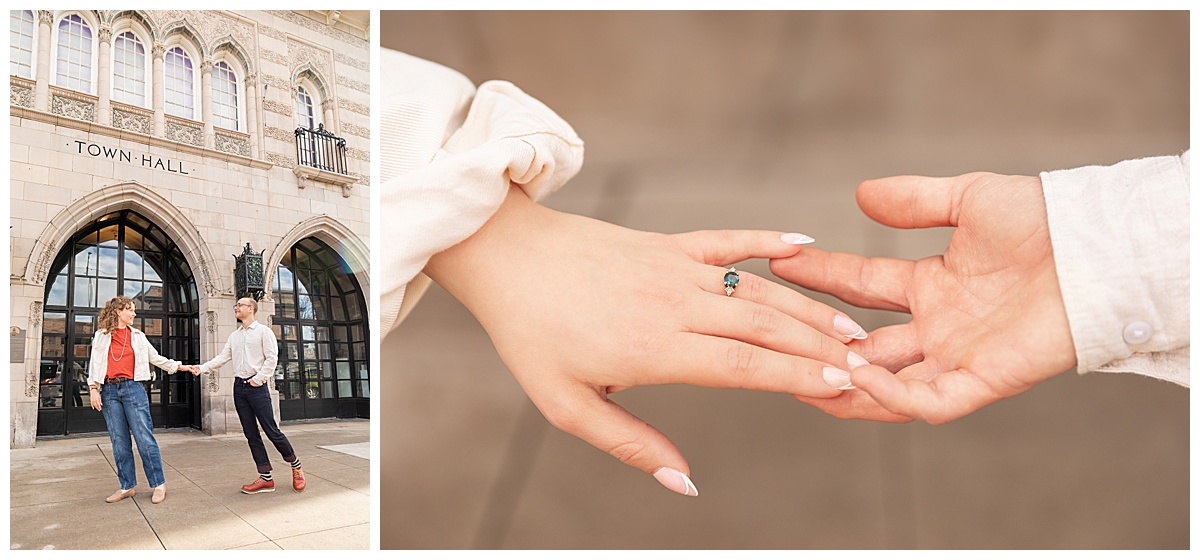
121 358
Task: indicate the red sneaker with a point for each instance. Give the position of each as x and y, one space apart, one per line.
298 479
259 485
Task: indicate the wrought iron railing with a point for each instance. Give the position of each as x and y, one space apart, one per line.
320 149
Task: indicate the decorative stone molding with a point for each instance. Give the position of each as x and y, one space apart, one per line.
355 253
105 34
42 267
20 95
353 107
213 383
45 17
35 325
35 316
206 279
279 134
302 55
309 176
275 57
311 25
272 32
280 159
352 62
276 82
278 108
360 155
74 106
362 179
233 143
159 49
355 85
134 120
210 322
185 132
206 66
359 131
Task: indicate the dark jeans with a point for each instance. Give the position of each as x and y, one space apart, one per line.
254 410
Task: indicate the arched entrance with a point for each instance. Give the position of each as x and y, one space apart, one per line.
320 321
119 253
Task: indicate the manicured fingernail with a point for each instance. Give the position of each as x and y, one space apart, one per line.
796 238
837 378
855 361
848 327
676 481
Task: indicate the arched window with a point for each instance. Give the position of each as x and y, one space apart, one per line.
179 83
224 96
21 44
321 322
129 70
307 114
121 253
74 69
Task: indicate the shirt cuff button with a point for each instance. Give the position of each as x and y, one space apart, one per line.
1138 332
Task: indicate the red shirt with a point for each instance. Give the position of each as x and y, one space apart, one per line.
121 347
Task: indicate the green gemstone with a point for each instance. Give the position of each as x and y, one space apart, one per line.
731 279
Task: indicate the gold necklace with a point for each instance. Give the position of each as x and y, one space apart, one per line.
123 347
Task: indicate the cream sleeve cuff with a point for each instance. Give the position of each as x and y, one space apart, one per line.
1121 249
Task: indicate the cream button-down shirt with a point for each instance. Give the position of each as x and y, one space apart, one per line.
253 350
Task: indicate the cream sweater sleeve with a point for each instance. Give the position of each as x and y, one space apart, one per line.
1121 249
450 151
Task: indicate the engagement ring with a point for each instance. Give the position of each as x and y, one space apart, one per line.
731 281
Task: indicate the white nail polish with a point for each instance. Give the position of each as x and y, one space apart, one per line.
855 361
837 378
796 239
848 327
676 481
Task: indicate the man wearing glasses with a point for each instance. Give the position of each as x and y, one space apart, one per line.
254 352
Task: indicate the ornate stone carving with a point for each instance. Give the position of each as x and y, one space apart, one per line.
307 23
134 122
276 82
354 85
159 49
352 62
31 383
354 107
279 134
362 179
206 279
360 155
74 108
272 32
42 266
206 66
213 384
359 131
302 54
185 133
275 57
210 322
45 17
280 160
105 34
35 316
20 96
277 107
232 144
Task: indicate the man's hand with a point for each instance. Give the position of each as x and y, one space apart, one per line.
988 320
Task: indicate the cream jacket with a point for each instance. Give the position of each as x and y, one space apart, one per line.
143 354
1121 250
450 151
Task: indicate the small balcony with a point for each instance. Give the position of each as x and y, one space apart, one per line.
321 156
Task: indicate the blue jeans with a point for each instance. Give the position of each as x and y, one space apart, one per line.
253 406
126 411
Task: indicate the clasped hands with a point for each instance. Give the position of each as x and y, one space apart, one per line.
195 370
579 309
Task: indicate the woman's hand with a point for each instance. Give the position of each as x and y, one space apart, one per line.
579 308
988 320
94 396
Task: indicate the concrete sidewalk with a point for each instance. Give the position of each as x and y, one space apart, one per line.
58 490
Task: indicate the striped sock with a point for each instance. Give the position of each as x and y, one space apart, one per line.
265 476
296 463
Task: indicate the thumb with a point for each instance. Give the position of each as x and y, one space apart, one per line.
914 202
612 429
722 247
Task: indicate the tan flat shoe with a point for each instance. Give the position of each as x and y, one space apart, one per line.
160 494
119 495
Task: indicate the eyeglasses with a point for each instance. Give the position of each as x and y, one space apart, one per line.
237 305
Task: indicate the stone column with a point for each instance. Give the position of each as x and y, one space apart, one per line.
328 114
206 102
160 113
104 76
252 113
41 87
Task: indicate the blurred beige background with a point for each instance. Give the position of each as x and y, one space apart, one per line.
770 120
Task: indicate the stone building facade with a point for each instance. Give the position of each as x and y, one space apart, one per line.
149 150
